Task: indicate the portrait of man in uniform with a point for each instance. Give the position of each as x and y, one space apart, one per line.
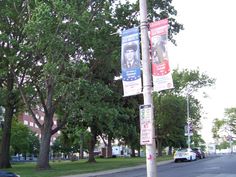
130 56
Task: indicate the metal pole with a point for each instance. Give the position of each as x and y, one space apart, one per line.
188 120
147 87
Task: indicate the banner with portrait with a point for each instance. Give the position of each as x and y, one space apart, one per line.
161 73
130 62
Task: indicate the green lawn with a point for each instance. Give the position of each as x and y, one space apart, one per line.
78 167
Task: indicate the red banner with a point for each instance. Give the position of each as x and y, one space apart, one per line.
161 72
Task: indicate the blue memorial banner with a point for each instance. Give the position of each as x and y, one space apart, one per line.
130 62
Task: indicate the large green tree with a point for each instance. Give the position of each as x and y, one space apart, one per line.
170 119
52 81
171 107
13 16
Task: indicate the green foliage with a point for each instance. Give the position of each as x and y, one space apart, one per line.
163 9
226 124
171 108
23 140
217 125
170 119
223 145
197 140
191 79
230 114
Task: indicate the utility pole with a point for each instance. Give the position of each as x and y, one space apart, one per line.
147 88
189 139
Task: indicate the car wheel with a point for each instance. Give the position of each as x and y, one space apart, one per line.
191 158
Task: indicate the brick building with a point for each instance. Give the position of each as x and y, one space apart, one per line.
27 120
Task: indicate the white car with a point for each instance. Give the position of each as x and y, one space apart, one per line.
184 155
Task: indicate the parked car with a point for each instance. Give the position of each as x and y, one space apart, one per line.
186 154
8 174
200 153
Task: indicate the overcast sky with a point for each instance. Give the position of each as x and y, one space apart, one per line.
208 42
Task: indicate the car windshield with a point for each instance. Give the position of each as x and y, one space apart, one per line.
182 150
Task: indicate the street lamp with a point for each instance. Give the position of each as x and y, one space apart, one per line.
188 121
189 126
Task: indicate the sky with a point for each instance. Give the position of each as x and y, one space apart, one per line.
207 43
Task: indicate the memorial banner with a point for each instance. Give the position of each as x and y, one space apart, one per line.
130 62
161 73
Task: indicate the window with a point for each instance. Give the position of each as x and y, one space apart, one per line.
31 124
25 122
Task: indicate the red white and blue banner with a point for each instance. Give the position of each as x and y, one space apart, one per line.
130 62
161 73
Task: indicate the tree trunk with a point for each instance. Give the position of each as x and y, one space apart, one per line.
159 147
5 145
43 159
6 135
109 147
81 152
46 128
91 147
132 152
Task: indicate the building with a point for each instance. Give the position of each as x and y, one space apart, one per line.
27 120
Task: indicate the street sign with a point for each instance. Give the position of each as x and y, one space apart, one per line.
190 127
146 130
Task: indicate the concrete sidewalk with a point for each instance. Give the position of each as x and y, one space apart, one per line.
95 174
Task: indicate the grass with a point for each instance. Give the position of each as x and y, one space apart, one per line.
64 168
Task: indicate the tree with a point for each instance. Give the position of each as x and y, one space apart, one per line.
223 145
230 114
197 141
171 113
170 119
217 127
225 127
12 19
52 80
23 140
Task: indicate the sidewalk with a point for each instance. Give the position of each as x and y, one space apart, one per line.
95 174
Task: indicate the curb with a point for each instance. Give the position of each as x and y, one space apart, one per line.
95 174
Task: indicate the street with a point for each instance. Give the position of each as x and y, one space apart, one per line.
212 166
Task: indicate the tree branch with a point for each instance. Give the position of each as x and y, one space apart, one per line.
25 101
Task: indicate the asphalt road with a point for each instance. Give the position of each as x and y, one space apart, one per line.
211 166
